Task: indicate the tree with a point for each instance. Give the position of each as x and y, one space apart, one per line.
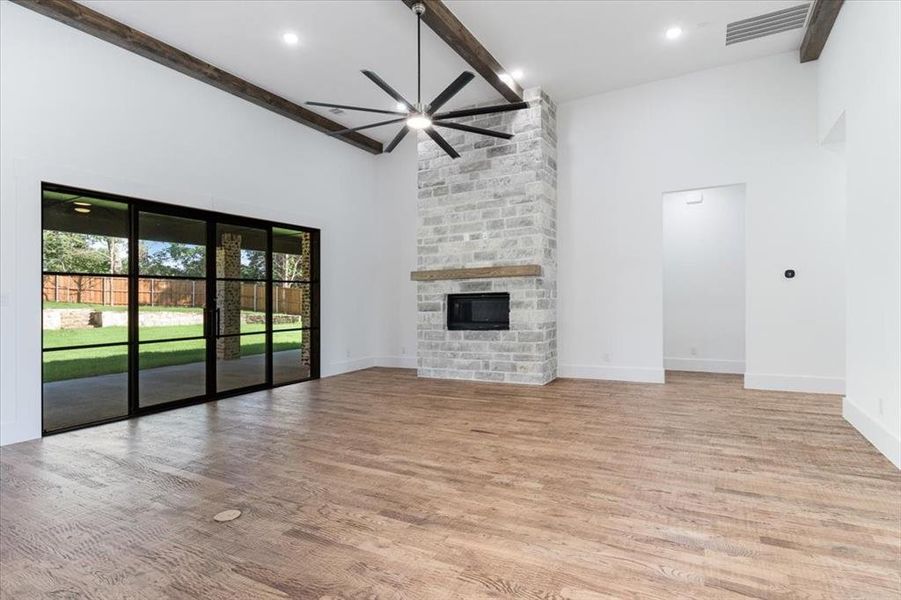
69 252
253 264
170 258
289 267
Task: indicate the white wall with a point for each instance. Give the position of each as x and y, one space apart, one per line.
704 280
75 110
396 178
859 88
753 123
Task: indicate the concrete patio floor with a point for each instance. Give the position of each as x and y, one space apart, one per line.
88 399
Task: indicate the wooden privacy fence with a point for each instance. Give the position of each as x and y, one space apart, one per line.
113 291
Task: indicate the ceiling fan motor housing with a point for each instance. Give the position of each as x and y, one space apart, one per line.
425 116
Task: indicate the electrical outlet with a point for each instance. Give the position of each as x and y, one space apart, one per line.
693 351
403 350
606 358
348 354
880 408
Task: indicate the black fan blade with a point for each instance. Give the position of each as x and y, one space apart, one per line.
442 142
450 91
400 135
379 124
484 110
479 130
346 107
387 88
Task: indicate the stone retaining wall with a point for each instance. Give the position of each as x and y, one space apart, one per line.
80 318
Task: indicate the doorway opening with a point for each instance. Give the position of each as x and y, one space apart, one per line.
704 280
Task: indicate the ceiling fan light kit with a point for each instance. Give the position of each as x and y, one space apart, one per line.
424 117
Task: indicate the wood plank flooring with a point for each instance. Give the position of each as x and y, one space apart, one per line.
377 484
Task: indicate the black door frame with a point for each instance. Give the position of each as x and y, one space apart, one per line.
212 287
136 205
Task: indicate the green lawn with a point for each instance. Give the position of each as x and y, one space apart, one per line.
71 364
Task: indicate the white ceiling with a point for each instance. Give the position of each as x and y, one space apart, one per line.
570 48
575 49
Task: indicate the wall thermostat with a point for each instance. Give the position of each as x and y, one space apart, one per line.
789 273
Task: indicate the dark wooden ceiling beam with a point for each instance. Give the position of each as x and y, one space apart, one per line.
94 23
822 18
449 28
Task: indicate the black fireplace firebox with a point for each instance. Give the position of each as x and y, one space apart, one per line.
478 311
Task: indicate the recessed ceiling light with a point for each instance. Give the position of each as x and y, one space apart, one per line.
290 38
81 203
81 209
401 107
506 78
516 74
673 32
419 121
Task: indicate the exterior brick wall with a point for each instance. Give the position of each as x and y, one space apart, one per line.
496 205
228 295
306 318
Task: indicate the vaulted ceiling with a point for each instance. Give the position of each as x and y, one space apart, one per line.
571 48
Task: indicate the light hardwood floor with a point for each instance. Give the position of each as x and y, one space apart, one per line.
380 485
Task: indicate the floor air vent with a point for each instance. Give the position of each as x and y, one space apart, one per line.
768 24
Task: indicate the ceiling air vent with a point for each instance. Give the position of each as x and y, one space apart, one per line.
768 24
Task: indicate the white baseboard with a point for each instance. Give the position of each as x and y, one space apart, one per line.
396 362
612 373
888 443
704 365
358 364
346 366
795 383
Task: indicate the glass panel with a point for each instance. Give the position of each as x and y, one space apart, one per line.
241 307
290 356
170 308
171 371
83 234
171 246
290 255
240 252
83 386
240 361
79 310
291 305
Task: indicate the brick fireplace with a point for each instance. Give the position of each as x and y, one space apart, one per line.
487 224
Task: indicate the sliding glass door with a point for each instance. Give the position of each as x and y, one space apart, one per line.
241 306
85 322
293 303
148 306
171 308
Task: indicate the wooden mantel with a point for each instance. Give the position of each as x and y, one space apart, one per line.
478 273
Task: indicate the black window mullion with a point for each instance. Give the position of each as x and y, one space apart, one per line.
133 357
80 274
173 277
180 339
269 303
84 346
210 316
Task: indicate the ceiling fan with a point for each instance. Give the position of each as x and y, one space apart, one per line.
425 116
